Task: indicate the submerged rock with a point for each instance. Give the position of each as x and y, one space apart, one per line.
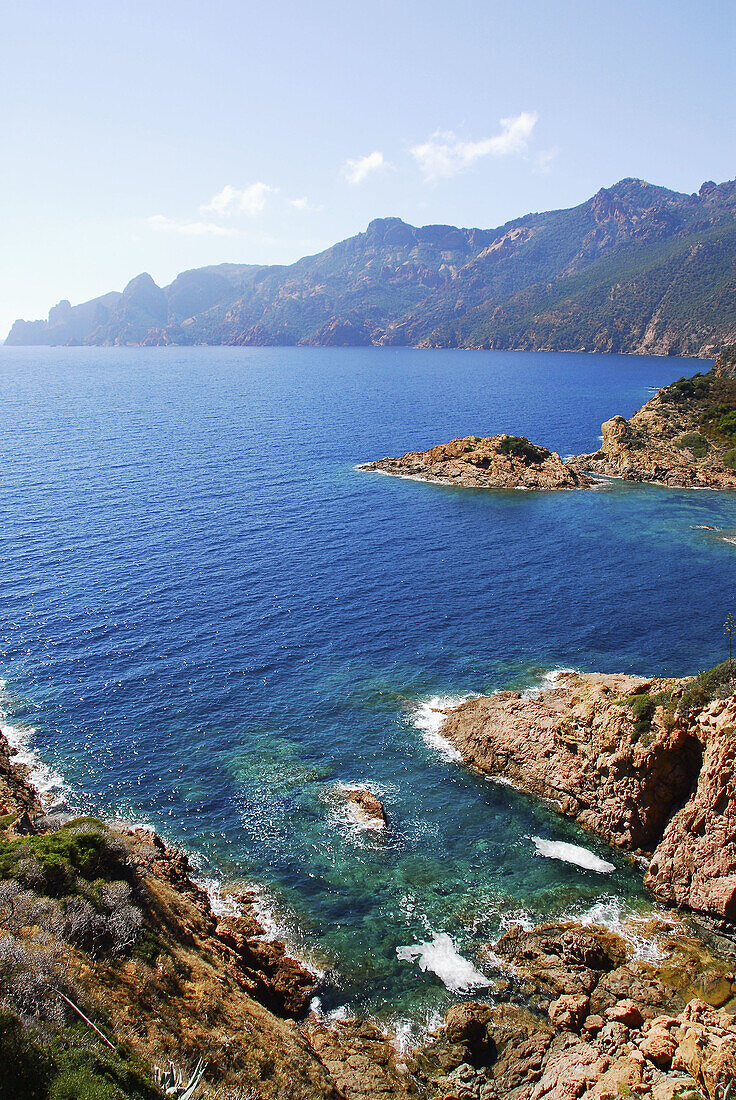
494 462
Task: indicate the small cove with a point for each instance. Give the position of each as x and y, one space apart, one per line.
211 619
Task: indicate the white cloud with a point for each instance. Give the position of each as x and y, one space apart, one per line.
445 155
232 200
544 160
191 229
305 204
355 171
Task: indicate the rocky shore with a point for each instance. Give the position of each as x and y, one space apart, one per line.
683 437
646 764
113 920
494 462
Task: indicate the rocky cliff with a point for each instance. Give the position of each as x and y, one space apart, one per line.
493 462
648 765
685 436
636 268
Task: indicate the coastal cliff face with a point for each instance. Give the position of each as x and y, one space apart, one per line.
648 765
636 268
494 462
685 436
114 920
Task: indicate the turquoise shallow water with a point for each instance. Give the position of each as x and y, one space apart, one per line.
210 619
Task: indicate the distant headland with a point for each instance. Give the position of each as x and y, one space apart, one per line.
636 269
684 437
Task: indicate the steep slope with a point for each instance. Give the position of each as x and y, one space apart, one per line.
636 268
684 436
647 764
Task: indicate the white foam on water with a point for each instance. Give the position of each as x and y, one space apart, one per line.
516 916
547 680
440 956
572 853
430 716
50 785
631 926
409 1034
221 904
502 781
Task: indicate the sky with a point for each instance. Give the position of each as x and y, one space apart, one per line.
161 136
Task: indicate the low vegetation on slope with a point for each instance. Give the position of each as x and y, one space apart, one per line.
684 436
63 896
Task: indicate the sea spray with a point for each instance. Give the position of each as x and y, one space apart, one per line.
440 956
572 853
632 925
429 717
49 783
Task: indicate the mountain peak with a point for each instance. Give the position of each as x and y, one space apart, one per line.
565 280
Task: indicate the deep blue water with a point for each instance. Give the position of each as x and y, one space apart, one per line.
210 617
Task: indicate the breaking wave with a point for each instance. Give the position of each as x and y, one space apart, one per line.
440 956
429 717
572 853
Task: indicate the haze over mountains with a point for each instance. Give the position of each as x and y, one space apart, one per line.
637 268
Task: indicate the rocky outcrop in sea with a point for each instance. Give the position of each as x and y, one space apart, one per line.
491 462
646 764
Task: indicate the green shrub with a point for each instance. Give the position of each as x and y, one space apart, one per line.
520 447
729 459
27 1068
66 1065
642 706
695 443
686 390
707 686
54 863
726 425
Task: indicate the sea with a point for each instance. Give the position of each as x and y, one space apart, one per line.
211 622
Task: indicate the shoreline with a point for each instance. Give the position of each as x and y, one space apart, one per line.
536 1011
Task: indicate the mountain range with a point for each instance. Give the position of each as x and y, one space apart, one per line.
636 268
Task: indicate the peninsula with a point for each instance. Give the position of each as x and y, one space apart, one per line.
494 462
684 437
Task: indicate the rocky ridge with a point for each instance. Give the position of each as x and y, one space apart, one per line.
683 437
493 462
636 268
646 764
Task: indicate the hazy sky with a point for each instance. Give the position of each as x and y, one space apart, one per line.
159 136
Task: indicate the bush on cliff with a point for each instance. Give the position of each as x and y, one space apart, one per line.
520 447
642 706
695 443
75 884
66 1065
65 862
707 686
